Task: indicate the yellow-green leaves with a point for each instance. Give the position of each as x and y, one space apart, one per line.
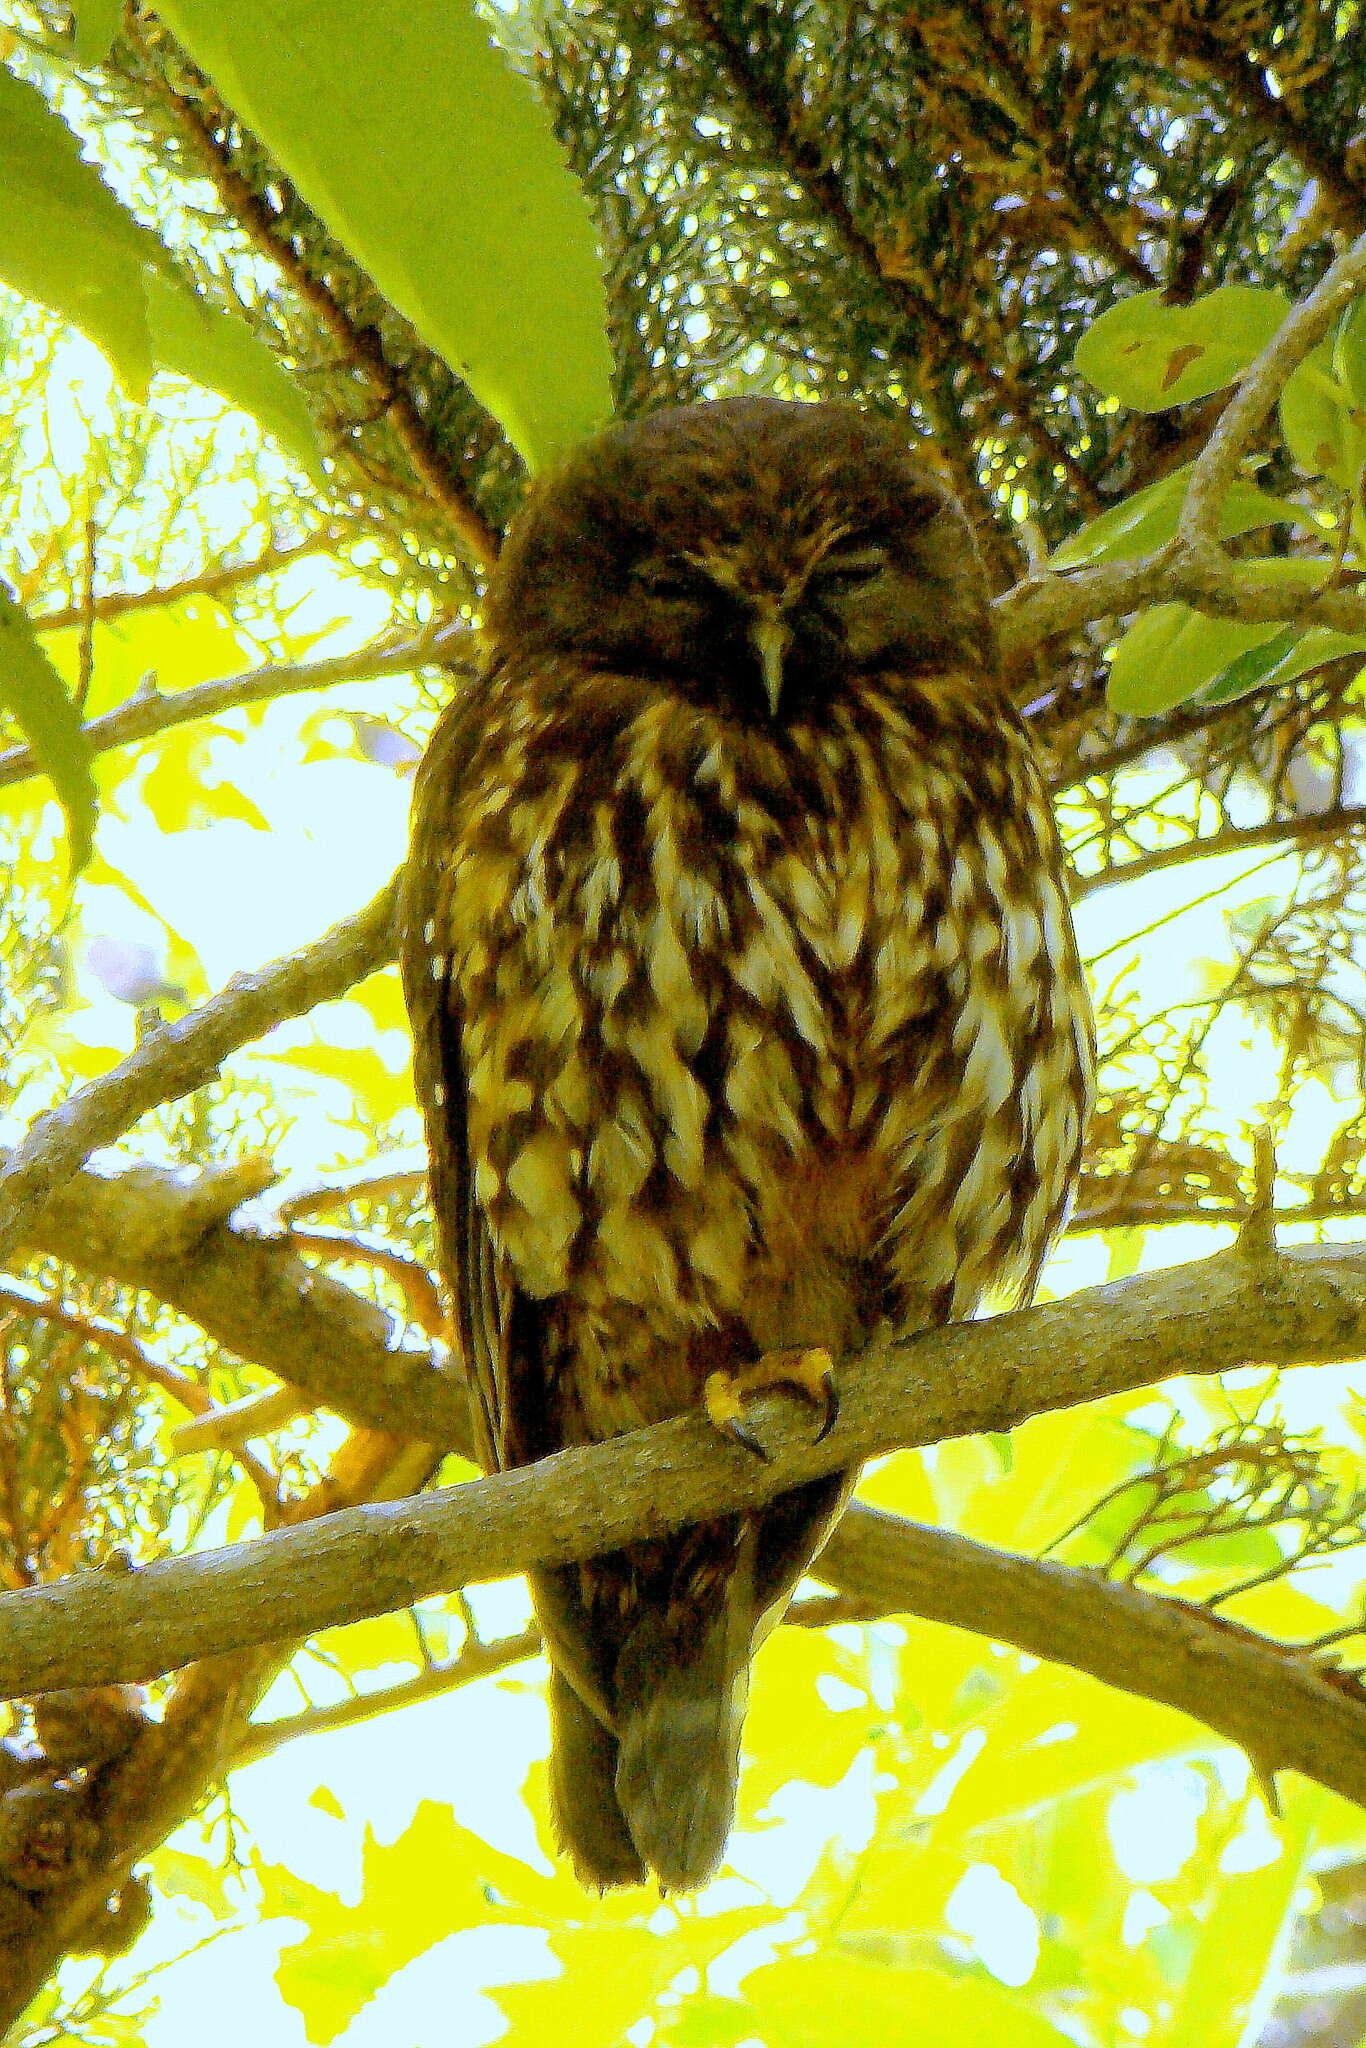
64 238
1172 653
97 24
432 162
839 2001
35 693
1235 1961
66 241
1150 355
219 351
1147 520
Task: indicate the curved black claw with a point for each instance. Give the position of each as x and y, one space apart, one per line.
739 1434
831 1415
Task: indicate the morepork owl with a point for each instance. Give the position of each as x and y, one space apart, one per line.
748 1018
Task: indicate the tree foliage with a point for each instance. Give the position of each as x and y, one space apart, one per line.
293 298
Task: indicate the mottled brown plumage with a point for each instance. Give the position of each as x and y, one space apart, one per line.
747 1015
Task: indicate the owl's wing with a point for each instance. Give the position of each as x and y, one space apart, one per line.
483 1296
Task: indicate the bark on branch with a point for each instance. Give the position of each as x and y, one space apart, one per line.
159 1230
1283 1709
1301 1306
180 1057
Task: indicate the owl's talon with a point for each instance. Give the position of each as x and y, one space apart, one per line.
809 1370
745 1437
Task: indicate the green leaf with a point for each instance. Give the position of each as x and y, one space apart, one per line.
97 24
1172 651
168 645
349 1952
1057 1735
178 1875
214 348
430 159
1252 668
1349 352
710 2022
64 238
1323 428
1151 356
791 1732
1288 654
611 1977
1148 520
66 241
51 724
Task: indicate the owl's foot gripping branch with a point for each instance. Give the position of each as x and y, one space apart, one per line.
809 1369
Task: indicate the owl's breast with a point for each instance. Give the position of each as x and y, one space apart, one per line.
704 978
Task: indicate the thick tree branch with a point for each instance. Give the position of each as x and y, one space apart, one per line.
1302 1306
1056 602
1278 1706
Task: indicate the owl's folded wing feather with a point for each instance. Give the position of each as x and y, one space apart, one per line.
482 1290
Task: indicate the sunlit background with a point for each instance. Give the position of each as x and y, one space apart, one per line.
907 1780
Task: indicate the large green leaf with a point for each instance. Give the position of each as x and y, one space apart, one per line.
430 159
66 241
216 349
51 724
1171 651
1323 423
64 238
1150 355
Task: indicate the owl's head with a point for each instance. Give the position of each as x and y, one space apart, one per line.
752 553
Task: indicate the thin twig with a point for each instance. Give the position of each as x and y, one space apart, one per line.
149 712
182 1387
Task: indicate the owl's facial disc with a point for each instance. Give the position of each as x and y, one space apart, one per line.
772 627
757 556
739 634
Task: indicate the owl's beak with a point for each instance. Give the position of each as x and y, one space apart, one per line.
771 639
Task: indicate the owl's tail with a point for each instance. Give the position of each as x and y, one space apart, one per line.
659 1795
678 1736
645 1731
